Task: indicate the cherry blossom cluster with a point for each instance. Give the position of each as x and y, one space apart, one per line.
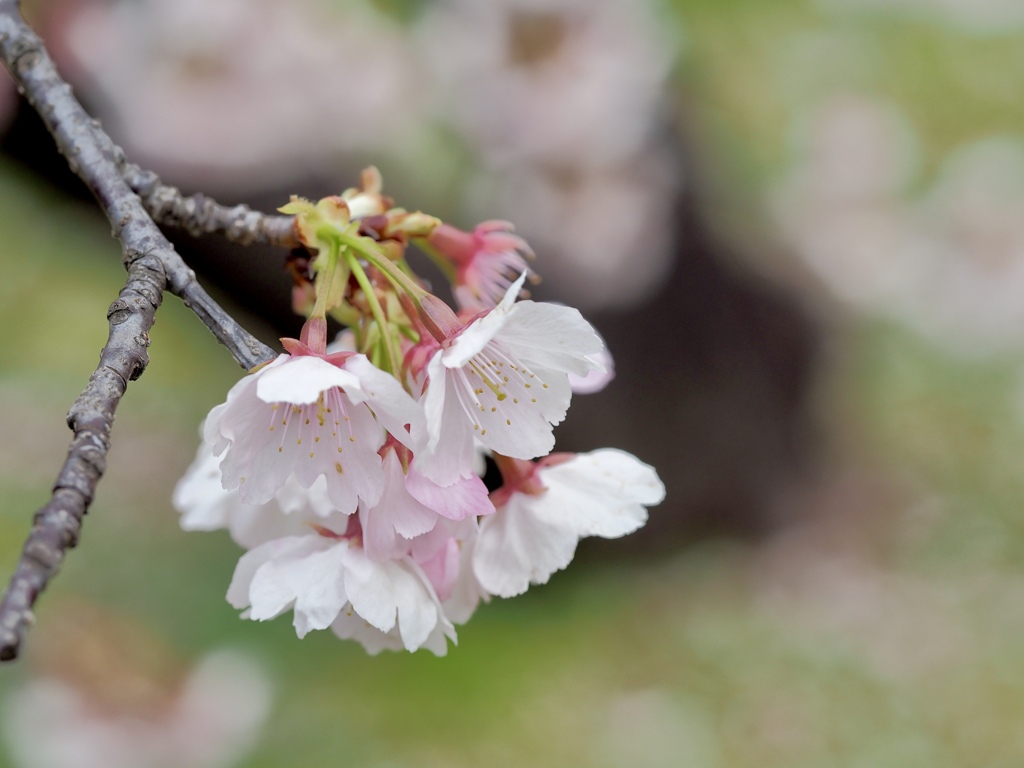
352 472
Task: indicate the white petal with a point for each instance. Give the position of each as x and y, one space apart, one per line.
437 640
418 609
301 380
243 423
468 591
596 379
602 493
354 472
308 503
450 453
311 580
212 432
393 593
393 406
514 548
351 626
370 590
250 562
199 496
481 331
434 400
343 342
552 336
250 526
206 506
270 442
514 411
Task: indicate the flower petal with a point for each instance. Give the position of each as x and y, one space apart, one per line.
393 593
418 609
397 513
478 333
370 590
602 493
301 381
552 336
466 497
514 548
393 406
311 579
596 379
199 496
253 560
450 452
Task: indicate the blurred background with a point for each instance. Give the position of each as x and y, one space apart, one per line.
799 224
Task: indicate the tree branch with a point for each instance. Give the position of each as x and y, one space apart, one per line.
200 215
56 527
153 266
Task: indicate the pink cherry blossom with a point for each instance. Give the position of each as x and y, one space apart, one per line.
440 554
308 417
412 504
503 379
547 509
487 261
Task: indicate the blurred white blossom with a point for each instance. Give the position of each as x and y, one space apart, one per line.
253 89
563 104
105 693
948 261
563 83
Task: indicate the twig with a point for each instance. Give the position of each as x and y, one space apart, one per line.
200 215
153 266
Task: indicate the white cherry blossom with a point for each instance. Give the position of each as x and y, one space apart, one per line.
205 505
331 582
534 533
504 380
306 417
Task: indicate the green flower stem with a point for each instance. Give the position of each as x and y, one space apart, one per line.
436 316
387 338
329 284
384 265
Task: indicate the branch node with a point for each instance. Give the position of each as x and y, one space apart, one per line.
118 312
